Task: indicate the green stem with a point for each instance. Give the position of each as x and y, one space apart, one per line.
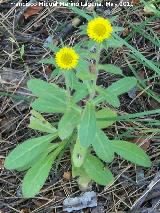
67 86
96 71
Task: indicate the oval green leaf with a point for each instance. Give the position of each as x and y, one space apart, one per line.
49 60
51 147
111 68
121 86
113 43
96 171
131 152
80 93
38 173
26 152
48 91
108 96
36 176
51 106
87 127
102 146
105 113
85 75
38 122
78 154
68 122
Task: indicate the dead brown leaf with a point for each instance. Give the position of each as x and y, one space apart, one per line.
32 10
48 69
135 2
1 164
25 211
92 68
125 32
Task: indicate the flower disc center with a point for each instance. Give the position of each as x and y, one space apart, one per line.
67 59
100 30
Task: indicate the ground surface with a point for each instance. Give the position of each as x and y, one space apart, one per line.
28 28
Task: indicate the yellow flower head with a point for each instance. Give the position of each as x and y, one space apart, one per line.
67 58
99 29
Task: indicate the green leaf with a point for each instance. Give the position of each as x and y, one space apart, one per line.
113 18
131 152
26 152
50 60
85 45
55 73
146 62
123 85
43 105
110 68
38 173
83 65
36 176
87 128
83 71
68 122
118 29
22 51
114 43
85 75
96 171
80 12
50 148
102 146
108 96
71 79
52 47
150 9
47 91
38 122
80 93
78 154
80 88
37 115
84 50
52 98
105 113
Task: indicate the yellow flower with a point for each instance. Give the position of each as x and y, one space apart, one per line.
99 29
67 58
